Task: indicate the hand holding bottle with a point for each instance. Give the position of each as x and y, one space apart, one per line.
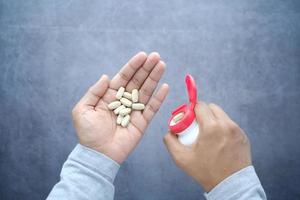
220 150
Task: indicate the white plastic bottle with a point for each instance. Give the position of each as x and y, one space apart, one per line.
183 120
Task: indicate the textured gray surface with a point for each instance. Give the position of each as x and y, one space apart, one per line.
244 55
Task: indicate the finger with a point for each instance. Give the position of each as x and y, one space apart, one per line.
128 70
140 76
151 82
203 113
95 92
172 143
155 102
218 112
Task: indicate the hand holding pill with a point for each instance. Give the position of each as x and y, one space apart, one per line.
113 115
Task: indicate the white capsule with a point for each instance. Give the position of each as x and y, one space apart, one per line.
127 95
138 106
178 117
119 119
114 105
125 111
120 92
135 95
126 102
118 109
125 121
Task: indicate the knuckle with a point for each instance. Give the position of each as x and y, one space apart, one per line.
123 76
214 126
233 127
146 92
245 139
241 139
136 81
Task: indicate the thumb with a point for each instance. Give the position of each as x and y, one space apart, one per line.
172 143
95 92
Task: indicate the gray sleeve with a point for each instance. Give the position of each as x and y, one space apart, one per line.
242 185
86 174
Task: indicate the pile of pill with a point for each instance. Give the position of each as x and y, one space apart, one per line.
125 103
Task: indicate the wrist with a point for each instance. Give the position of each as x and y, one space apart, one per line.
209 184
247 176
95 161
115 155
108 150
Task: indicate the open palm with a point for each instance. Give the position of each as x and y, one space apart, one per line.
96 124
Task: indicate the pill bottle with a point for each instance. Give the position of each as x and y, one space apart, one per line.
183 120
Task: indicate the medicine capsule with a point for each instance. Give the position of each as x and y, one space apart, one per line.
118 109
119 119
114 105
125 111
177 117
120 92
138 106
126 102
127 95
135 95
125 121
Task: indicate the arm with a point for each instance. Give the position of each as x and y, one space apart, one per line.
220 159
87 174
91 168
242 185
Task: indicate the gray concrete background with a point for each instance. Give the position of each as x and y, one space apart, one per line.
244 55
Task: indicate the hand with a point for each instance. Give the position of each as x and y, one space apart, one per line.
96 124
222 148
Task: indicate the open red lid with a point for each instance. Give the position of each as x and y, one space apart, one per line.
191 89
187 111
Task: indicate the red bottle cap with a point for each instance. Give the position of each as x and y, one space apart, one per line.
187 110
